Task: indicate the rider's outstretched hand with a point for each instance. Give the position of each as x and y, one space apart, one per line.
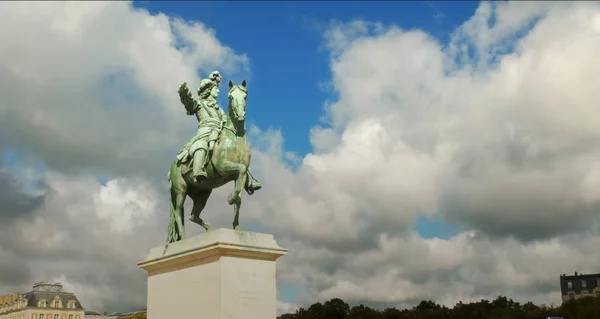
182 87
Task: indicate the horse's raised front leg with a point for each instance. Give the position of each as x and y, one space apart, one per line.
200 199
235 198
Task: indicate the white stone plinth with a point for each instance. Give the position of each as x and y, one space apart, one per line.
220 274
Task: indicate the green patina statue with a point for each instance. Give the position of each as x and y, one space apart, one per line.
216 155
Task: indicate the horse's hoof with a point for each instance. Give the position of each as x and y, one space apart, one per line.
197 220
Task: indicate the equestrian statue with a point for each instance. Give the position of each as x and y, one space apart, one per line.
216 155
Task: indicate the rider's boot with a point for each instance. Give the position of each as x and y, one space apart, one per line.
199 164
253 185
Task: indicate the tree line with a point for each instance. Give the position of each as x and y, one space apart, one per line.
499 308
138 315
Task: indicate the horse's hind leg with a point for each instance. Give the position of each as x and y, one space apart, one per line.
178 190
200 199
178 198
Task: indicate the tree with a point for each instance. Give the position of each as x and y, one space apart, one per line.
363 312
138 315
392 313
501 307
336 309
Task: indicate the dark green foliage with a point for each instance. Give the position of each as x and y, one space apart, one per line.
139 315
499 308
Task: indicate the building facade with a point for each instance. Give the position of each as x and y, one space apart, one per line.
579 286
44 301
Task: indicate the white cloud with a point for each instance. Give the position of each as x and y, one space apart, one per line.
86 88
81 76
125 204
285 307
90 236
504 143
72 240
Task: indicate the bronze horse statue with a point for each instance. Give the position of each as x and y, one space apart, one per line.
229 161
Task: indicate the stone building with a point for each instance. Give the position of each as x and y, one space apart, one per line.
44 301
579 285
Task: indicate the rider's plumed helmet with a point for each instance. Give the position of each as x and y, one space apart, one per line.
214 75
207 84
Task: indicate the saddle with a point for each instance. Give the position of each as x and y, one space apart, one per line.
186 166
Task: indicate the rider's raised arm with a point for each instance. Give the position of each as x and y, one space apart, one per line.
187 99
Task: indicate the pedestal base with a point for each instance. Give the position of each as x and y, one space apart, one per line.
220 274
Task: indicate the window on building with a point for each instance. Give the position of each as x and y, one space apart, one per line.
56 304
569 285
583 284
70 316
56 316
41 316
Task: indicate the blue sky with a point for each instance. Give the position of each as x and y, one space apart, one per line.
486 141
283 41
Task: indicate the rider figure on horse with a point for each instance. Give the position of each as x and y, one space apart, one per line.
211 120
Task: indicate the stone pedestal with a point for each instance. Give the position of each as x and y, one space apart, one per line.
220 274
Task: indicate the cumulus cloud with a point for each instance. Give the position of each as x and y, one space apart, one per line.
285 307
496 131
93 85
79 239
16 199
90 88
89 236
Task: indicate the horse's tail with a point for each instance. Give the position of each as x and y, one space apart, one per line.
172 228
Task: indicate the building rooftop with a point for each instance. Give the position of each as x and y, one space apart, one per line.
49 292
577 275
43 286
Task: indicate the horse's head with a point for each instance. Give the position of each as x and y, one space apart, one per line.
237 101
